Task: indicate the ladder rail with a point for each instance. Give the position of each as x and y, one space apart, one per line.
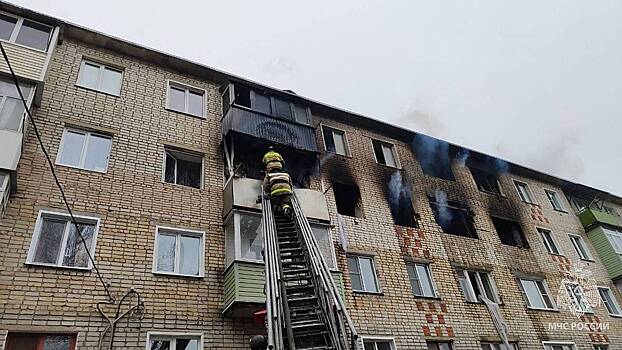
274 309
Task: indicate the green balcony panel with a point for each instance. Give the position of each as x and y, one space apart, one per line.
606 253
590 217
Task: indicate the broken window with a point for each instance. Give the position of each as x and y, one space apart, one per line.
385 153
348 200
325 243
30 341
433 156
242 96
486 181
183 168
453 217
262 103
302 115
179 252
282 109
335 141
400 201
510 232
243 237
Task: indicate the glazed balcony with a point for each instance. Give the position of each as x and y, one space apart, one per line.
590 217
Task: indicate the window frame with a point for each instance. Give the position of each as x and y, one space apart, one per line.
606 303
528 192
187 88
332 244
85 147
546 289
237 236
398 164
102 66
611 232
374 270
562 208
36 234
173 335
188 152
437 342
178 233
410 264
491 345
548 345
479 188
377 338
346 143
546 243
31 93
480 285
577 240
41 340
18 26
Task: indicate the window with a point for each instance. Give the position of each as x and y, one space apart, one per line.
498 346
421 279
335 141
558 346
282 109
609 301
601 347
556 203
30 341
84 150
486 181
577 298
400 201
186 99
57 243
25 32
362 273
453 217
348 200
475 284
549 243
11 106
523 192
433 156
100 77
178 252
183 168
439 346
536 293
580 247
615 238
243 237
175 342
378 344
510 232
325 242
385 153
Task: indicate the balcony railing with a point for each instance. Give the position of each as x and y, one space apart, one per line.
267 127
590 217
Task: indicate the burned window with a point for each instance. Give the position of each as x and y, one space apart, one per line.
453 217
348 199
510 232
262 103
486 181
400 201
385 153
433 156
183 168
282 109
242 96
226 100
335 141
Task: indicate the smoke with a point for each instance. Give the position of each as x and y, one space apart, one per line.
396 189
463 156
444 214
400 200
433 156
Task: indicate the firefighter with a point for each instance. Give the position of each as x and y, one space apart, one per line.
277 183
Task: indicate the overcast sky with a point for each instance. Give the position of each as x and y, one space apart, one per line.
538 83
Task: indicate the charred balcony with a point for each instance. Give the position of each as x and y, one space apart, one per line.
267 117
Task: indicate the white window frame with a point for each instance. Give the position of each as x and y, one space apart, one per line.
429 271
346 143
154 335
28 99
189 152
548 345
373 266
333 256
531 199
102 67
546 288
18 27
547 191
87 134
609 233
375 338
497 345
436 342
577 240
178 233
5 191
63 216
480 285
187 88
613 298
547 244
237 235
398 164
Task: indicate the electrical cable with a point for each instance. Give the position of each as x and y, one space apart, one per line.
51 164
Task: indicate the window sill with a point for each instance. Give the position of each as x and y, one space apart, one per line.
616 315
364 292
202 117
389 166
99 91
426 297
492 193
541 309
75 268
172 274
482 303
83 169
560 210
553 254
588 260
182 186
349 156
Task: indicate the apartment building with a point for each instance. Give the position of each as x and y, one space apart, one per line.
160 161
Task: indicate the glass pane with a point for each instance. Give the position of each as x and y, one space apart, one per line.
50 240
389 158
34 35
355 275
282 109
73 143
474 285
414 279
166 253
262 103
251 237
111 81
383 345
8 88
195 103
75 253
425 280
12 114
190 251
97 153
187 344
7 24
340 143
329 141
57 342
176 99
229 242
169 168
301 114
160 345
17 341
367 271
369 345
488 289
325 243
533 294
89 74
